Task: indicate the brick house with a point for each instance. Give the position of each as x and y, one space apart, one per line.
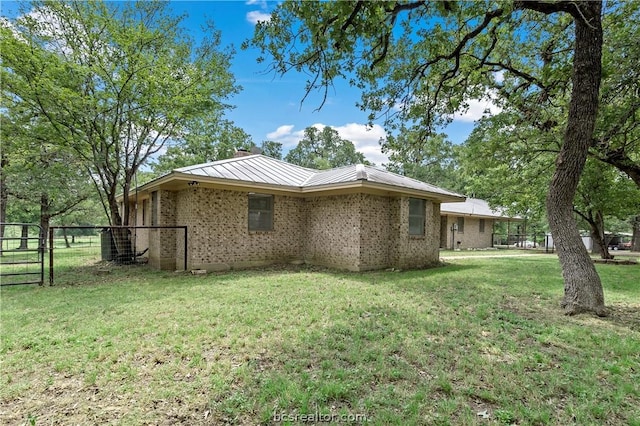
254 210
470 225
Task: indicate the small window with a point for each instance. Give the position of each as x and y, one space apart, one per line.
417 216
461 225
154 208
260 212
144 212
481 226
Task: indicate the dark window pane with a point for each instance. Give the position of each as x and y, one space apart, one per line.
416 216
416 206
416 225
260 212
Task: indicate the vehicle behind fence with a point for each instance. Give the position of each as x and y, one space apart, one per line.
74 248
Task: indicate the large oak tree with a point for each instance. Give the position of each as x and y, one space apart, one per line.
419 62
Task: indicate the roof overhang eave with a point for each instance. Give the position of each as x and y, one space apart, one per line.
384 188
482 216
177 179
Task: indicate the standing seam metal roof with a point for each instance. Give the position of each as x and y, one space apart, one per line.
476 207
267 170
252 168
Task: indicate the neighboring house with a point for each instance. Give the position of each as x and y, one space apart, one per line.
255 210
470 224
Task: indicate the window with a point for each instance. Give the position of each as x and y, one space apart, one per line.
260 212
154 208
144 212
416 216
481 226
461 225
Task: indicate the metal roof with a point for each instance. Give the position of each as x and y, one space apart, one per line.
252 168
259 169
388 178
475 207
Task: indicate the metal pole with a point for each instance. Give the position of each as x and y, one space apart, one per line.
42 238
51 229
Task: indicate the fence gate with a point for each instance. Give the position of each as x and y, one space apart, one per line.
21 254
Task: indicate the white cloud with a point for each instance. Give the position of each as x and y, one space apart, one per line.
365 138
281 131
477 108
256 16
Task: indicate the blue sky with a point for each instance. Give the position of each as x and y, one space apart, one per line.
269 106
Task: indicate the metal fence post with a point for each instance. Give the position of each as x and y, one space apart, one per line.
51 229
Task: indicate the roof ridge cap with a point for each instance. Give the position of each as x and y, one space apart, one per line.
361 172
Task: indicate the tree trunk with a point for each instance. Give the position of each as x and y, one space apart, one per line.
598 236
635 240
121 236
45 220
582 286
24 238
4 197
66 238
600 246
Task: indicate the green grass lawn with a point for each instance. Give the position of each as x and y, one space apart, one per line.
479 341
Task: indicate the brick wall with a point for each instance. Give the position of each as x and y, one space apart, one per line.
375 232
363 232
353 232
219 236
471 238
410 251
162 242
332 231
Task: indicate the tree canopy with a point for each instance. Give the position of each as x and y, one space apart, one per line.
433 160
324 149
115 81
209 139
